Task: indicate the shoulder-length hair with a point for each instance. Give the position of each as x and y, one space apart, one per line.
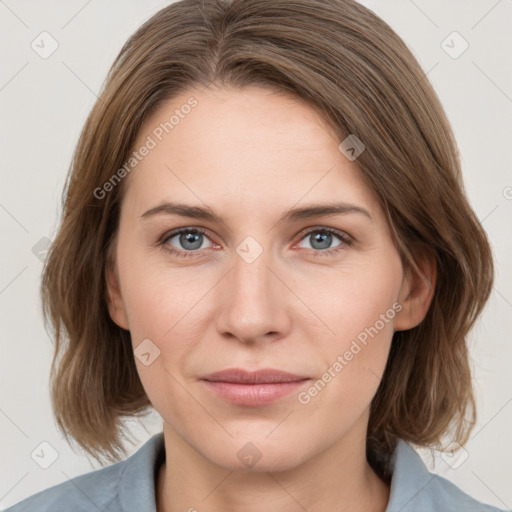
347 62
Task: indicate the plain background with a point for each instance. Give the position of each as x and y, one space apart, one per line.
44 103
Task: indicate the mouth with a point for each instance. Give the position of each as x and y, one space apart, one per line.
261 387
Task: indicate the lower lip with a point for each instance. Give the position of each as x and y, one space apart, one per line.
253 394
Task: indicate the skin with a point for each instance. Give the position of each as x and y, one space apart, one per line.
250 155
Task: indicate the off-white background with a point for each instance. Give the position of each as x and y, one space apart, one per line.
43 105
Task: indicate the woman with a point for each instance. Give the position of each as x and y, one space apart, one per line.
265 238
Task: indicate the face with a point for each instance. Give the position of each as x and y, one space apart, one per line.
244 273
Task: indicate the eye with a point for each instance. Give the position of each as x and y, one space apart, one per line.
321 239
185 241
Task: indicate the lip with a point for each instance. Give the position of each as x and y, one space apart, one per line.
256 388
264 376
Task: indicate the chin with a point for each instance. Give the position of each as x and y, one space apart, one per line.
256 456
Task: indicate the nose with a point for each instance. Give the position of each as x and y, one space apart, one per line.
253 301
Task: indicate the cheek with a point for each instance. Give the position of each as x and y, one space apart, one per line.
353 365
359 309
159 301
160 308
360 298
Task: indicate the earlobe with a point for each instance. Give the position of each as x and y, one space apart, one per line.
114 298
417 292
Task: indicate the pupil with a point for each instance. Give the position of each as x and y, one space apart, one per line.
190 238
323 239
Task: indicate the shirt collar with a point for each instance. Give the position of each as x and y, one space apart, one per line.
410 476
137 482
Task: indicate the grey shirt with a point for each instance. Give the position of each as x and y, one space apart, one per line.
129 486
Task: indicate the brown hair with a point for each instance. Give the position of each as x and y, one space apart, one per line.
344 60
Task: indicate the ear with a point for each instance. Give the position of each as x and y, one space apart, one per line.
114 298
417 291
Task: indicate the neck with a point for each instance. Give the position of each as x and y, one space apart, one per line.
338 479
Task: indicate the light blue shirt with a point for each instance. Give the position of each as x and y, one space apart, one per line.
129 486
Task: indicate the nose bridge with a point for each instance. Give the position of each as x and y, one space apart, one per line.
253 303
250 274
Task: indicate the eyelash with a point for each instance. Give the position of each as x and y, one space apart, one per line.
344 238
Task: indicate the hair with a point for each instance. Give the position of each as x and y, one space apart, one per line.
350 65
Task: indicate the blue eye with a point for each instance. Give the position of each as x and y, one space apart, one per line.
322 239
189 241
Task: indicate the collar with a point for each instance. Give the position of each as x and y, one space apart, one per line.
136 485
413 488
410 477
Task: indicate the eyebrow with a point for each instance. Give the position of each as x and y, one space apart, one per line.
294 214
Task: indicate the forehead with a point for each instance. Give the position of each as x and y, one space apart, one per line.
250 147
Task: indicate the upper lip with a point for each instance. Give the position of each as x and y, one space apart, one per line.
264 376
